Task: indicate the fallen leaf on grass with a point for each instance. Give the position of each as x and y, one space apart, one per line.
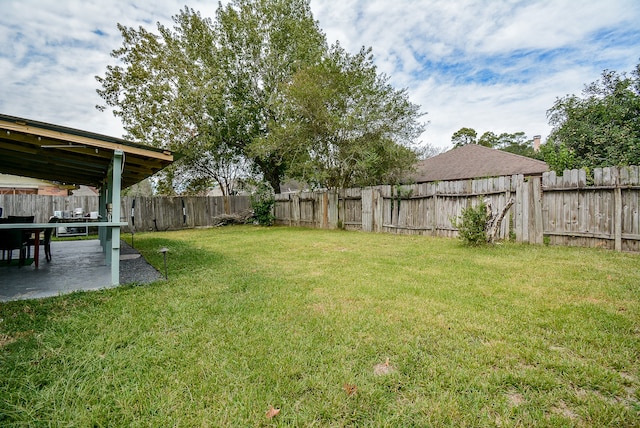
350 389
272 412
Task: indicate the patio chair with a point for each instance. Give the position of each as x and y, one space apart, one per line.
22 219
46 242
13 239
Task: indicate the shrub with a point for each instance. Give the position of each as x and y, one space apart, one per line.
472 225
262 202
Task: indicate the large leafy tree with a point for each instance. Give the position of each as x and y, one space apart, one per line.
263 43
170 92
208 89
225 94
347 126
602 127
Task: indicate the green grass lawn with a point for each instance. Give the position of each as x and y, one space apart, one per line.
298 319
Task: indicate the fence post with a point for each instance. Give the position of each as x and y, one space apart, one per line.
434 212
333 209
537 235
366 200
325 210
295 209
617 213
519 208
378 215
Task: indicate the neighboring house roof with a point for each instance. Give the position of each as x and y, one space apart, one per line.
475 161
26 185
83 190
7 180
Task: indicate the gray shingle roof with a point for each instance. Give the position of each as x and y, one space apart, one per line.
474 161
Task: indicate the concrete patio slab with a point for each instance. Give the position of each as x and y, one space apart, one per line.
75 266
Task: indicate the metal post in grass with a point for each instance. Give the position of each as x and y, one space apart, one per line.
133 220
164 251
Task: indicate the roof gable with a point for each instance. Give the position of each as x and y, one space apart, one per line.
475 161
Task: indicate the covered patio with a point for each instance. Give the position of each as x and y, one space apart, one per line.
70 156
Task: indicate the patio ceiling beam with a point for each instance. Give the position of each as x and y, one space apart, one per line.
81 140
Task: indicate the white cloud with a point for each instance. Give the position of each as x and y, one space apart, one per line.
492 65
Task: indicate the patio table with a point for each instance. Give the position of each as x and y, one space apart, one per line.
39 227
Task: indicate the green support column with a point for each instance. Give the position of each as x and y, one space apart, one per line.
107 201
115 176
102 212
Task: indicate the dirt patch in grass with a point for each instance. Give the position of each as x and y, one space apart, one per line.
6 339
563 410
383 368
515 398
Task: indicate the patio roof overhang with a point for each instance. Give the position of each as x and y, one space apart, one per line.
71 156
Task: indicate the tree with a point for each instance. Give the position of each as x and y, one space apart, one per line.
221 92
464 136
208 89
602 127
558 157
516 142
143 188
263 43
489 139
170 93
347 126
427 150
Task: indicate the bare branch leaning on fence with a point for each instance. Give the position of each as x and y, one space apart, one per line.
495 219
242 217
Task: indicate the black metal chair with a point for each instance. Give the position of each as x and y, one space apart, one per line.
13 239
22 219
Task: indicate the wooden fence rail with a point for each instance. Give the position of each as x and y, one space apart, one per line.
572 209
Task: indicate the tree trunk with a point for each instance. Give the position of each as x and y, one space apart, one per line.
227 207
272 172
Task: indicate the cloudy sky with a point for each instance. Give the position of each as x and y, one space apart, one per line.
492 65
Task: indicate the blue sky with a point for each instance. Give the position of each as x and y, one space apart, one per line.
489 65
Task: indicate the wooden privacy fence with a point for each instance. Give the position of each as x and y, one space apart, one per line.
425 209
572 209
150 213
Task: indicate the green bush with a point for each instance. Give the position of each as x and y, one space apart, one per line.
471 225
262 202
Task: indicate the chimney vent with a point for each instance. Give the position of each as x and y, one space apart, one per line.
536 143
